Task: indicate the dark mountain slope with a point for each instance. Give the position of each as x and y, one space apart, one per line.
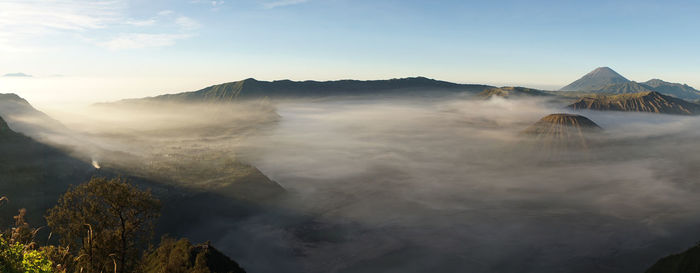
652 102
685 262
623 88
24 118
33 175
254 89
596 79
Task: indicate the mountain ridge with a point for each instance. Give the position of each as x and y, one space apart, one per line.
254 89
606 80
652 101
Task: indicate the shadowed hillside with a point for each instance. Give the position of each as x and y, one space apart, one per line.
684 262
678 90
34 174
24 118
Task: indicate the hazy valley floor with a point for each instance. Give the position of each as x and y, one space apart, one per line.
447 184
450 185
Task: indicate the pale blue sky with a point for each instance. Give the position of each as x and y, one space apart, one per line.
84 51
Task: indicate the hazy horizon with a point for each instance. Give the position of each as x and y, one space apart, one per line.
80 51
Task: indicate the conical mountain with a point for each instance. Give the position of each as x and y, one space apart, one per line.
652 102
596 79
559 132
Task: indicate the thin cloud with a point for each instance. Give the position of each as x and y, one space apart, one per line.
42 16
187 23
142 40
23 21
283 3
18 74
165 12
142 23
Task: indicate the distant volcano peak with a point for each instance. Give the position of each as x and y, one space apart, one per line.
596 79
605 71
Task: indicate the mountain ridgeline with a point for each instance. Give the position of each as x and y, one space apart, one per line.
606 80
254 89
685 262
652 102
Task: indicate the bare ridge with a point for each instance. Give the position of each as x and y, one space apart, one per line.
652 102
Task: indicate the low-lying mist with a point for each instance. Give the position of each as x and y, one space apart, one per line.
426 185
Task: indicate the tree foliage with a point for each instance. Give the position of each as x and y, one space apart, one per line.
106 223
180 256
19 258
17 255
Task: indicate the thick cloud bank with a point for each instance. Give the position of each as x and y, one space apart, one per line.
432 185
451 186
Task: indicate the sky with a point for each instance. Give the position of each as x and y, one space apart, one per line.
74 52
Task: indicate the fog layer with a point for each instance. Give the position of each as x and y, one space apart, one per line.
452 186
422 185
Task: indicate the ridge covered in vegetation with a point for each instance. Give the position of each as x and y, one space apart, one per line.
255 89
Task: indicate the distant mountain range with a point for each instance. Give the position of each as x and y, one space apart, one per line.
254 89
606 80
596 79
651 101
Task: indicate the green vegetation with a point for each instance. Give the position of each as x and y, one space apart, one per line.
107 223
254 89
104 225
17 249
180 256
20 258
